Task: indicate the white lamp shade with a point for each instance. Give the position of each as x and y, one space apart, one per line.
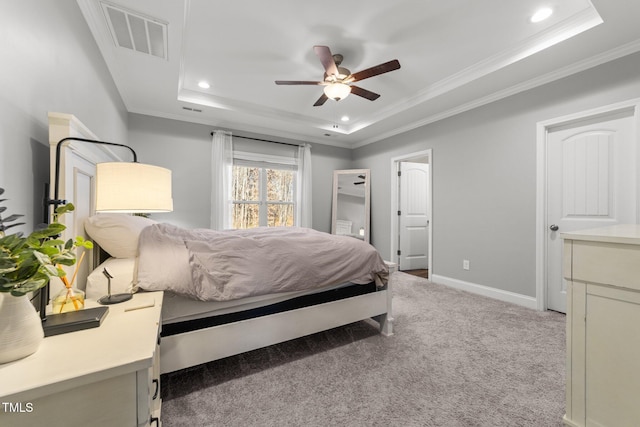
337 91
132 187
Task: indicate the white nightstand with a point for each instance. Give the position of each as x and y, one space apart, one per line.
105 376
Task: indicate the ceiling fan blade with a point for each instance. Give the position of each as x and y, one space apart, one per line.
324 53
321 100
374 71
371 96
297 82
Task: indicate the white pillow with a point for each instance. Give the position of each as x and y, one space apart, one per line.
122 270
117 234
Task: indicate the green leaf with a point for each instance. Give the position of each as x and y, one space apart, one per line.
43 258
6 287
53 242
51 270
65 208
49 251
26 263
64 260
7 265
30 285
51 230
12 242
87 244
25 273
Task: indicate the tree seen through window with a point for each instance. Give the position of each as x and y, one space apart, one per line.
263 197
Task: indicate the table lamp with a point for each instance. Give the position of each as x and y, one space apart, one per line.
124 187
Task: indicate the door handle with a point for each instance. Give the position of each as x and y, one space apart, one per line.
554 227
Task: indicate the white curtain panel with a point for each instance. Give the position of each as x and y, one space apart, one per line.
304 208
221 179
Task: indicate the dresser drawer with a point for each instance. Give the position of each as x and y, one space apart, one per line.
148 389
606 263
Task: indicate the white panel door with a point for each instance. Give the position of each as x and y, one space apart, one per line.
414 220
592 182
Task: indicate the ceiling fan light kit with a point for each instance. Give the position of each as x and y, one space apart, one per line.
337 80
337 91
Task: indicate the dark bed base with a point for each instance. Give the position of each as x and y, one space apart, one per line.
292 304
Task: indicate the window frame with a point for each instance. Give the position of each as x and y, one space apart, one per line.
264 162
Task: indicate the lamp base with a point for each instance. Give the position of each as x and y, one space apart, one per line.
114 299
72 321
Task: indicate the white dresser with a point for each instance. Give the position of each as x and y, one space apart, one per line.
106 376
602 268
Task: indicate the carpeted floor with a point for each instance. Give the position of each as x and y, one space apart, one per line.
456 359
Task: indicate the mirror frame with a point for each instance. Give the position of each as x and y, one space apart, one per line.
367 198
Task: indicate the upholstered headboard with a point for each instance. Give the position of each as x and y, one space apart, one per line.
77 184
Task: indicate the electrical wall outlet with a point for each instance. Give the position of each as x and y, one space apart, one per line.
465 264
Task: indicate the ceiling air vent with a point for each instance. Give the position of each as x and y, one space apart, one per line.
134 31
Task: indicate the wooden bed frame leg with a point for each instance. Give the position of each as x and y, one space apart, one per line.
386 324
386 320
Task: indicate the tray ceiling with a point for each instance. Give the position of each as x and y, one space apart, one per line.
454 56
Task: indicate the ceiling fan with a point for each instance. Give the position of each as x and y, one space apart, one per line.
337 80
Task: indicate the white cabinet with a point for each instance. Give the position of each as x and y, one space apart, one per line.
105 376
602 268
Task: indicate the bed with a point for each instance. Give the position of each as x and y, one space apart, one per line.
196 331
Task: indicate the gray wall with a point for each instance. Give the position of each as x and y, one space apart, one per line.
185 148
484 175
50 62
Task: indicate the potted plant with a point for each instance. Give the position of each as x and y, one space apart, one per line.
26 265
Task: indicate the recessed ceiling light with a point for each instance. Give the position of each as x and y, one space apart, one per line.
204 85
345 118
541 14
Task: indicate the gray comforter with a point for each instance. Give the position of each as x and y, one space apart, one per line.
225 265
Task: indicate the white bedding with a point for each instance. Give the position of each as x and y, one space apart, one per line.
214 265
121 269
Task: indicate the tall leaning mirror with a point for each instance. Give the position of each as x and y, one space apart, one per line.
351 206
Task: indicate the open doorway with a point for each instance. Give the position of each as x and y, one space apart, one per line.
411 213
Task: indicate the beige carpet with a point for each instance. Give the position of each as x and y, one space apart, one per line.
457 359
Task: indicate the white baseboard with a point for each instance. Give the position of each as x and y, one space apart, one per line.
499 294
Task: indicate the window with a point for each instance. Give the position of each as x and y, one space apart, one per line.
263 194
